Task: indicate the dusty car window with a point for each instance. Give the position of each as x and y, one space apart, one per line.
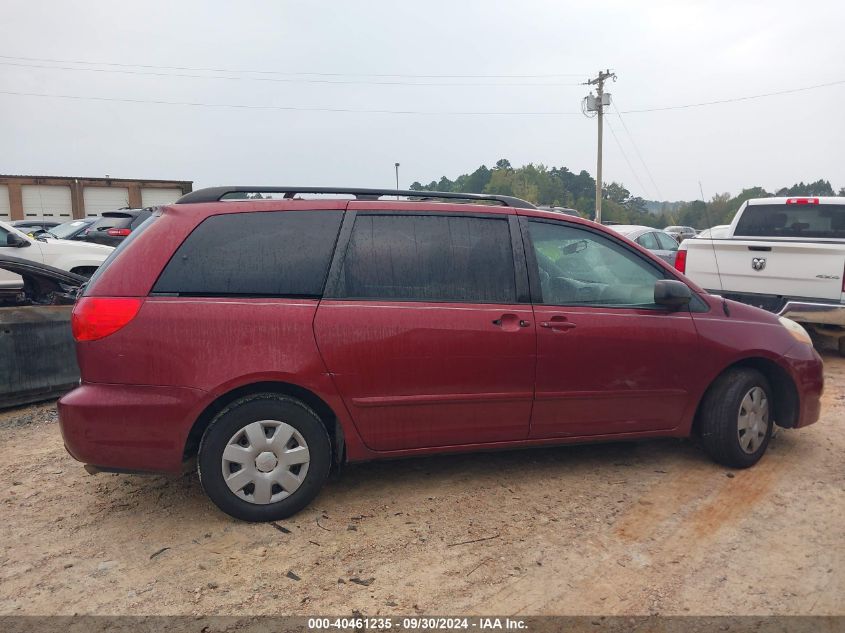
429 258
257 254
580 267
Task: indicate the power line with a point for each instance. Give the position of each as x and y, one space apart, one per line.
637 150
735 99
625 156
288 80
273 107
378 111
278 72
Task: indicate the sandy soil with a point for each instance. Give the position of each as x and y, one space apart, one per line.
640 528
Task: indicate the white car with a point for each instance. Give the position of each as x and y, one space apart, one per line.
720 231
82 258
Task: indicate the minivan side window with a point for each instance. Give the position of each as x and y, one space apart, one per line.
429 258
581 267
265 254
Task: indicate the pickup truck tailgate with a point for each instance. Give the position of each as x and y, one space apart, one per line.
795 269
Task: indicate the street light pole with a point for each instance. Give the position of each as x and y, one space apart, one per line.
396 165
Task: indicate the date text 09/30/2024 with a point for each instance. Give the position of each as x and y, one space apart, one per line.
416 624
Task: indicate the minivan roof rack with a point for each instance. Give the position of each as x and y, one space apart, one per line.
215 194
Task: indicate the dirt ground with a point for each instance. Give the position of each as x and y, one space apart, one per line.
640 528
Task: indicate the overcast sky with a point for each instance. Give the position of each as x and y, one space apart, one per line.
664 53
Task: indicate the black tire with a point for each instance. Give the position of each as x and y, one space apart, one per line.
236 416
842 346
719 417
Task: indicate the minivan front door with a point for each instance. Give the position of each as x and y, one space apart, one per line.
422 330
609 361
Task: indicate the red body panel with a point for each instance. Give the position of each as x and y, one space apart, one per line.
605 371
402 378
417 376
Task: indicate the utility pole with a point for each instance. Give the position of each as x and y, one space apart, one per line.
596 104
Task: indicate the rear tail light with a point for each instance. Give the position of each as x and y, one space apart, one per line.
96 317
681 261
118 232
802 201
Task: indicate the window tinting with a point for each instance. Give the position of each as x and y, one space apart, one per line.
429 258
580 267
792 220
281 253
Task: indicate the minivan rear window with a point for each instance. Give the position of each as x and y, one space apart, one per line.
265 254
88 287
792 220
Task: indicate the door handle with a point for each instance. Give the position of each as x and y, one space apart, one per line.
558 324
510 322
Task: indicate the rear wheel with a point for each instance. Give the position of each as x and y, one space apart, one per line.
842 345
264 457
736 418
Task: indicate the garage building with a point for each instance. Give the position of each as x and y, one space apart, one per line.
62 198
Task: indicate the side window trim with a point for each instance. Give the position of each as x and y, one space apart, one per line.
534 270
518 252
331 287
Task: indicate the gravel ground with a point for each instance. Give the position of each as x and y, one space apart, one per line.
639 528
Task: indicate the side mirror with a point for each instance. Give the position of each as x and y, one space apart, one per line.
16 241
671 293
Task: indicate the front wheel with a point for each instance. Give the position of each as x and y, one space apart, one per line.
736 418
264 457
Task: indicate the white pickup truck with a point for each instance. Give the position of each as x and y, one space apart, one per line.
785 255
77 257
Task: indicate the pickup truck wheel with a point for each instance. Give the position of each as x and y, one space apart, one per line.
842 345
736 418
264 457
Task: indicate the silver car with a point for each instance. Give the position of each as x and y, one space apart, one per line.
658 242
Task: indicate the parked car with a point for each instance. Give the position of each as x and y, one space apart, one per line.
719 231
658 242
786 255
681 233
75 257
37 356
272 338
70 230
112 227
33 227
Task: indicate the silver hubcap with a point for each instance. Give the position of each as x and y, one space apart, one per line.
753 420
265 461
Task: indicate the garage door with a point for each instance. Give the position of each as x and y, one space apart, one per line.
5 207
153 196
47 202
99 199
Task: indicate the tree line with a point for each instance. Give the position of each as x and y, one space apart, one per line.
559 187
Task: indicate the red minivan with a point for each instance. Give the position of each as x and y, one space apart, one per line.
272 338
